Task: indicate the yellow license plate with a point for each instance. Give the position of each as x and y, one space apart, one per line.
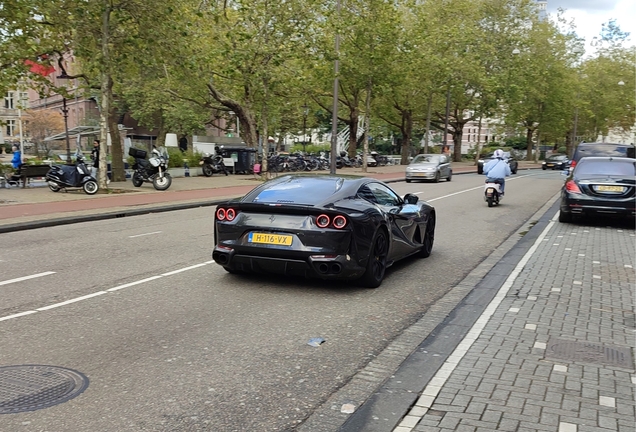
420 174
275 239
603 188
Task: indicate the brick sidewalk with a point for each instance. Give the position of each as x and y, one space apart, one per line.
553 351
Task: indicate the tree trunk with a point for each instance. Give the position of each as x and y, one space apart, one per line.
106 90
407 131
478 146
457 142
428 122
117 158
529 133
367 119
354 116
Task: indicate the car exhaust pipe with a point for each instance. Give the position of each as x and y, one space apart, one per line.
336 268
220 258
323 268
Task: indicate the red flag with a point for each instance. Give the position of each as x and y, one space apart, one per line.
39 69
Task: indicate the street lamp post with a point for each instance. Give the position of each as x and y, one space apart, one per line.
68 141
305 112
64 75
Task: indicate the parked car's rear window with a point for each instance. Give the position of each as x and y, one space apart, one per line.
585 150
606 167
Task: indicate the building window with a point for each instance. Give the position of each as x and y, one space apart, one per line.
11 128
9 101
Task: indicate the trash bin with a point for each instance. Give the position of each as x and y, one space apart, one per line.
244 158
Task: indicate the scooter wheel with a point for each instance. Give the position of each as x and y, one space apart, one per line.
90 187
54 187
491 202
162 183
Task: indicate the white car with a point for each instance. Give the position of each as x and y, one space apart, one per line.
433 167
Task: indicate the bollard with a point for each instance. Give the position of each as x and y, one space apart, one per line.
187 169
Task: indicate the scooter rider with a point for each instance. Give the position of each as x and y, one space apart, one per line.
497 170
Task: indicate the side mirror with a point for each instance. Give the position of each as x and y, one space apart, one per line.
410 198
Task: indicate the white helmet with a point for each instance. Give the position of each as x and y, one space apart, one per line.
499 153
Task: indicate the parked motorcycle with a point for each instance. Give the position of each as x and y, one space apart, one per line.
72 177
154 169
212 165
492 193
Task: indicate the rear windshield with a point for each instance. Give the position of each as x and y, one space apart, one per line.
302 191
606 168
557 158
585 150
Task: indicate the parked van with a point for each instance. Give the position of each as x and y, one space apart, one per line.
602 149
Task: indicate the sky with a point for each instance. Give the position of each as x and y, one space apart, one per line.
589 15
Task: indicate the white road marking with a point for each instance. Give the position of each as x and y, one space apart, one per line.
8 317
117 288
76 299
437 382
183 269
98 293
146 234
20 279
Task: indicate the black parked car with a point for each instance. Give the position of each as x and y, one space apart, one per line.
512 162
602 186
601 150
326 227
556 162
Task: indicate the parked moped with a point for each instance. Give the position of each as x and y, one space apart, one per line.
72 177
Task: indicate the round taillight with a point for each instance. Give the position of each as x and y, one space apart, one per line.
339 222
220 214
322 221
230 214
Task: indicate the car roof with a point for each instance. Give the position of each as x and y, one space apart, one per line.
309 190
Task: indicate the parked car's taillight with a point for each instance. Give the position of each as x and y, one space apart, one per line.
220 214
572 187
230 214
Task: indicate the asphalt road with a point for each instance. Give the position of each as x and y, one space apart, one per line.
191 347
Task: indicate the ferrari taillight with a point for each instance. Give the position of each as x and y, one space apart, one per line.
572 187
339 222
322 221
226 214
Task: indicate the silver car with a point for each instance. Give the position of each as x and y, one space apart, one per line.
429 167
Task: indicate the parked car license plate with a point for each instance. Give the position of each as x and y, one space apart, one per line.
275 239
605 188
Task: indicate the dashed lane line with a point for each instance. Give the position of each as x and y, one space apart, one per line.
20 279
98 293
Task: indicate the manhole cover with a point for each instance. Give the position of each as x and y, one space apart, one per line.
590 352
32 387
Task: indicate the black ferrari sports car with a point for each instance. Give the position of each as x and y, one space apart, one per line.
326 227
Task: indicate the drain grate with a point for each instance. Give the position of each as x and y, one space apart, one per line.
33 387
590 352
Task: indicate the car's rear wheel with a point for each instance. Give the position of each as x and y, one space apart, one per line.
565 217
376 266
429 238
408 181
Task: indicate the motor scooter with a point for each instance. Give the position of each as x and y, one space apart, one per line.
492 192
72 177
